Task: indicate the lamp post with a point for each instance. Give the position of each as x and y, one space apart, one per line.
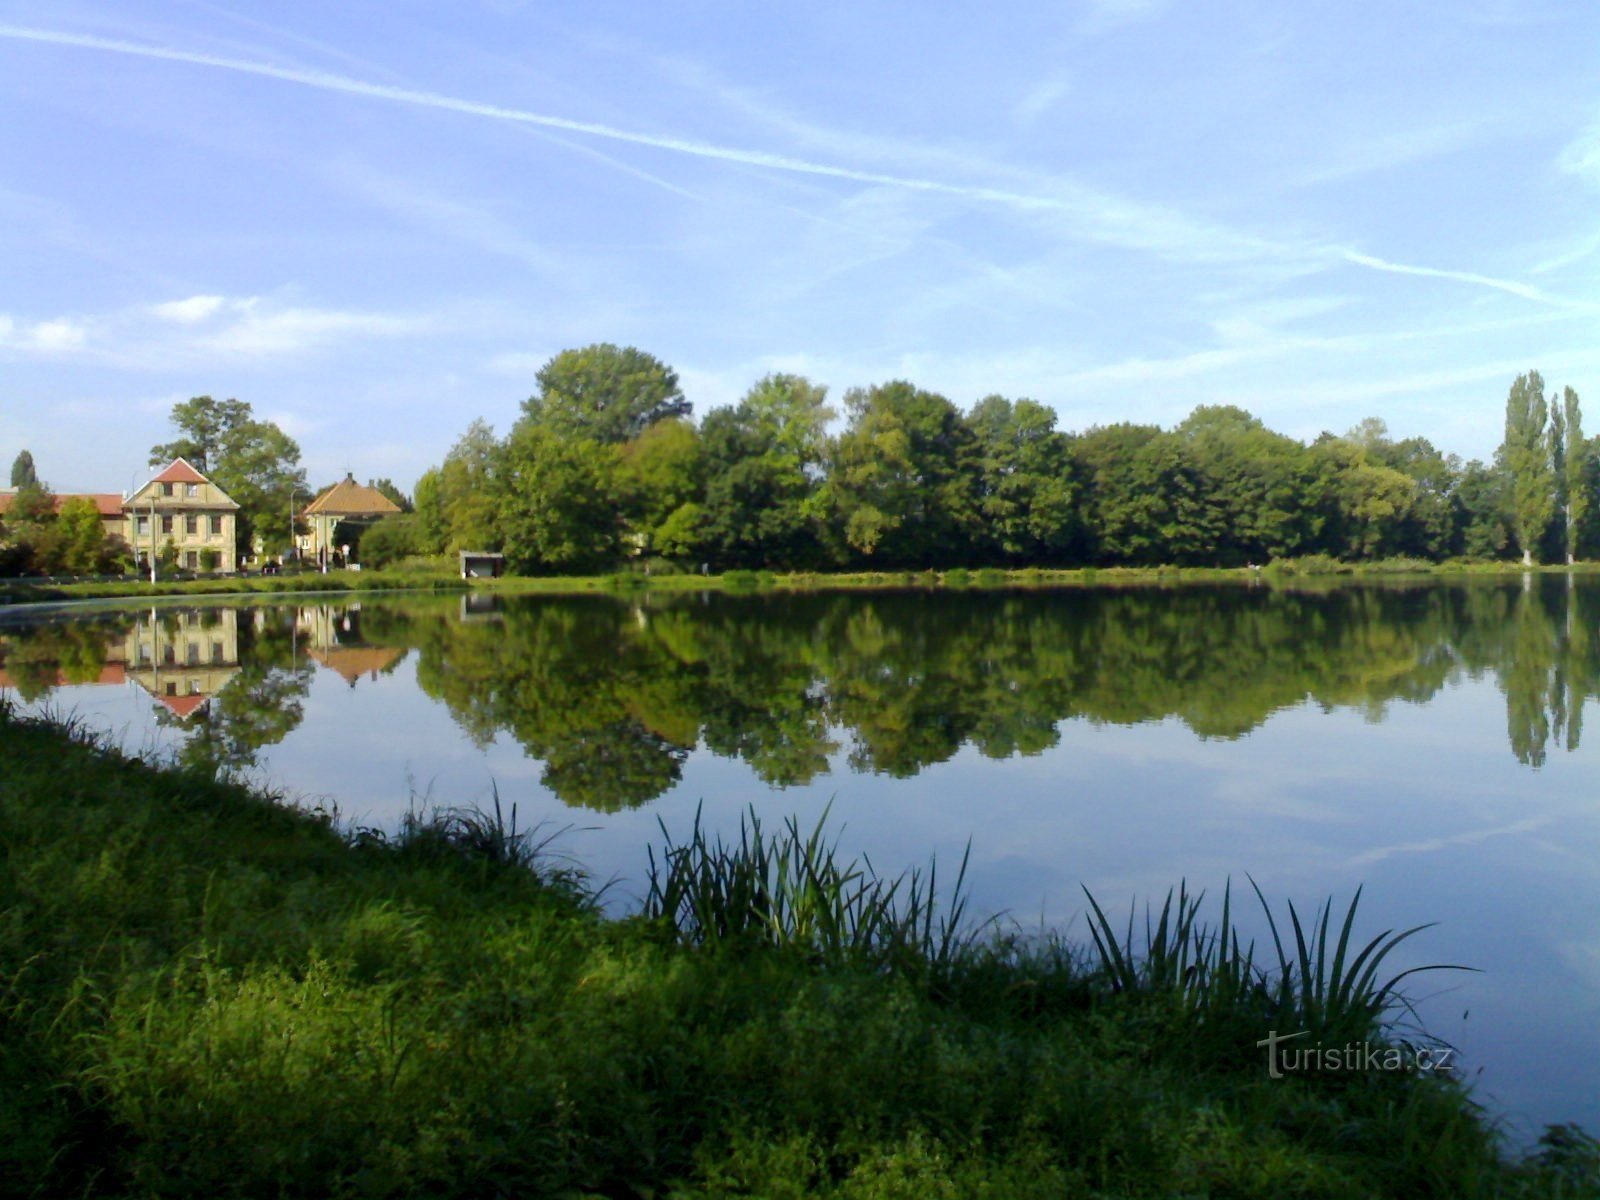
294 547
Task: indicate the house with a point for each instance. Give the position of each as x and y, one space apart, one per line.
107 504
346 502
182 508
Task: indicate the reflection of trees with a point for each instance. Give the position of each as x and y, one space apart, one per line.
41 659
259 707
612 695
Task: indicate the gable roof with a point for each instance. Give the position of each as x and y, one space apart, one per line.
179 471
347 498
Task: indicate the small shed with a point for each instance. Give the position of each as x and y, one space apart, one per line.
479 564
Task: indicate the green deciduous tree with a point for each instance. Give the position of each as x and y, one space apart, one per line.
80 537
255 462
1575 472
1525 457
23 473
559 507
604 392
903 486
1028 499
764 460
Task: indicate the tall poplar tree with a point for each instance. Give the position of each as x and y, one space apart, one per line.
1576 471
1525 457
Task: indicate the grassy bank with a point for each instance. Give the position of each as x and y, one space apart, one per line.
205 993
432 575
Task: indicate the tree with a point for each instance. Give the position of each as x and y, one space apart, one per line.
206 427
455 504
558 504
22 471
606 393
764 460
394 537
1028 497
904 479
661 477
386 487
1575 481
1525 456
80 537
255 462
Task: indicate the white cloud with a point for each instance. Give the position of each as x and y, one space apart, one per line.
191 311
57 336
206 329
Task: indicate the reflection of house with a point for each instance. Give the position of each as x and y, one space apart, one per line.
183 658
182 507
333 639
346 502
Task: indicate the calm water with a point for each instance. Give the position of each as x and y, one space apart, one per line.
1424 741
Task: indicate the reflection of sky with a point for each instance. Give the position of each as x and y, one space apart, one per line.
1428 810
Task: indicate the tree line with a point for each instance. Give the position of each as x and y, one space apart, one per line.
604 465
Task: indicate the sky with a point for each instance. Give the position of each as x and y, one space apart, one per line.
375 220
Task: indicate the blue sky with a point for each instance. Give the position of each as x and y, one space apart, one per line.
374 221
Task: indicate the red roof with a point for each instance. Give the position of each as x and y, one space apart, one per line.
107 504
180 472
183 706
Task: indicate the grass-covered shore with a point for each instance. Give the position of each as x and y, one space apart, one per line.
437 575
204 992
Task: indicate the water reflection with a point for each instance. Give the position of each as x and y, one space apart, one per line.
611 696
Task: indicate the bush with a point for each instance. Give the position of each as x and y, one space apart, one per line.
390 540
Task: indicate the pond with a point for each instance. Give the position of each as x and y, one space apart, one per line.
1420 740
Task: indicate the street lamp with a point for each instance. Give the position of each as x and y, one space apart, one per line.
294 546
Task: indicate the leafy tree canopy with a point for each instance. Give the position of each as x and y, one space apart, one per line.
608 393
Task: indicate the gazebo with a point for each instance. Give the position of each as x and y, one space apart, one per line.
345 502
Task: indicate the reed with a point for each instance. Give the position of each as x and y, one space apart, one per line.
793 890
1331 990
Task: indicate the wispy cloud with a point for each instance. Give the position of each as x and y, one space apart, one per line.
191 311
1075 210
1511 287
203 329
49 338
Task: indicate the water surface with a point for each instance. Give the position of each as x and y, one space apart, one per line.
1424 741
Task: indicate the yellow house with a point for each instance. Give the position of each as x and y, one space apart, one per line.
182 507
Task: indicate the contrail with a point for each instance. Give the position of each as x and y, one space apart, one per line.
399 95
1116 227
1510 286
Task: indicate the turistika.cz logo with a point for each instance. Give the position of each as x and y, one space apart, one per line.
1314 1057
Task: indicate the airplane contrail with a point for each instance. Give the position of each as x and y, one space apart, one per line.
1120 225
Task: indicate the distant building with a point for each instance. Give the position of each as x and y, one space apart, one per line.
179 506
346 502
182 507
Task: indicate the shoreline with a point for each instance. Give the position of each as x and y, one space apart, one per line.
23 595
207 990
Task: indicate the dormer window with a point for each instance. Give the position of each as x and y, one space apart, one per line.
191 490
166 489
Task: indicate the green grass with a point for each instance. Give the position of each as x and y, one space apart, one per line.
204 992
440 575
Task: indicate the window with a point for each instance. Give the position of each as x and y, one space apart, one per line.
191 654
166 489
168 655
191 559
194 687
143 526
191 490
191 524
216 525
216 652
172 688
166 524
